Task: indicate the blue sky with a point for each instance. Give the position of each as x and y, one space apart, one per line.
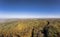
29 8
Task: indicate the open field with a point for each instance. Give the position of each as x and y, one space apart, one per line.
30 28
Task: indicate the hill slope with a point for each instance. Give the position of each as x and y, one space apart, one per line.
30 28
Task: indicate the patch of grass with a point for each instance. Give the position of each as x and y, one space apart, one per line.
30 28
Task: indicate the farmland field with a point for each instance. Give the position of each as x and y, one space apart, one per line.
30 27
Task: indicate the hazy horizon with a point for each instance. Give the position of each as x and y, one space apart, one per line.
29 8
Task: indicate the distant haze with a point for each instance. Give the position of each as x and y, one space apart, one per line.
29 8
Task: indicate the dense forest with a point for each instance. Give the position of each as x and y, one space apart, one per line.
30 28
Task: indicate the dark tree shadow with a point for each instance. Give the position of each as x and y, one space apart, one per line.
1 35
45 30
32 34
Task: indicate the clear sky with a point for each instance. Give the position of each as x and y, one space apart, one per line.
29 8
